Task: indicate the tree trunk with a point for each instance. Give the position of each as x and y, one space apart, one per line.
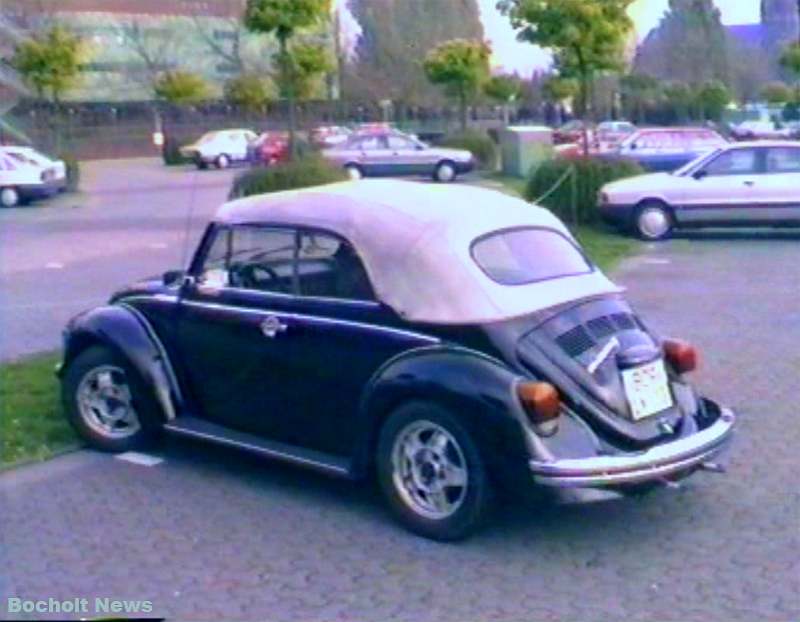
585 96
462 102
288 89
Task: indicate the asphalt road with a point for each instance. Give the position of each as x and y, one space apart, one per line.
61 256
211 534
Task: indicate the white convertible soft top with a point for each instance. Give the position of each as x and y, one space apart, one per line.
415 238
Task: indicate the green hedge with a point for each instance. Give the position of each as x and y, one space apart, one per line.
310 170
482 147
590 175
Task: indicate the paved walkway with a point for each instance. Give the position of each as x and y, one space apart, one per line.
210 534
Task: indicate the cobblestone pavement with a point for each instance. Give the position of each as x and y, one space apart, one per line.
212 534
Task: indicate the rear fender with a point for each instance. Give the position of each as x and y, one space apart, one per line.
476 388
127 331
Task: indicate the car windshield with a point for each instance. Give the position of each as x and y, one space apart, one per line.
206 138
528 255
690 166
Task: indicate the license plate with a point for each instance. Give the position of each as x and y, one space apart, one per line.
647 389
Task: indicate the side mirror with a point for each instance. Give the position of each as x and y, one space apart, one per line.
634 146
698 175
420 147
172 277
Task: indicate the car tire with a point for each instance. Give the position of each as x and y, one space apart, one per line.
653 221
445 172
414 485
107 403
354 171
9 197
223 161
201 166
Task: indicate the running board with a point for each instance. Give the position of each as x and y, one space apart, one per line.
186 425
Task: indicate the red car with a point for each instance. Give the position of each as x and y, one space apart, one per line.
269 148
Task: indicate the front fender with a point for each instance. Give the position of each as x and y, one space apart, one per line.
474 387
127 331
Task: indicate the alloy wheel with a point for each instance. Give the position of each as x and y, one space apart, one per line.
429 470
654 223
445 173
9 197
105 403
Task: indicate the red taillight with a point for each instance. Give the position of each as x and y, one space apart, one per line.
542 405
681 355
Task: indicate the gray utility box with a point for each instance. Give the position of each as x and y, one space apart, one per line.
525 147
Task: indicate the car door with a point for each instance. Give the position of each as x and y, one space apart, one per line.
781 181
376 156
227 328
409 157
726 190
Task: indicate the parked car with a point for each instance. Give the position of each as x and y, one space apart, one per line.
221 148
742 184
327 136
23 179
755 130
610 134
369 327
392 153
572 132
269 148
668 148
32 156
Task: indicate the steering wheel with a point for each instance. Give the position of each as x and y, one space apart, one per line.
245 275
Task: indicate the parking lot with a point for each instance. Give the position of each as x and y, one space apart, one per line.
210 534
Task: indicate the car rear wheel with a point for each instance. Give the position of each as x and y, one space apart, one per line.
354 171
223 161
431 472
9 197
445 172
106 402
653 221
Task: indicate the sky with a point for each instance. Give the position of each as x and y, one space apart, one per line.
512 55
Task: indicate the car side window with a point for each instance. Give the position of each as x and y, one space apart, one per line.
329 267
248 257
370 143
783 160
733 162
398 142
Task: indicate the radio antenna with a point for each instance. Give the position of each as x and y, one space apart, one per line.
188 224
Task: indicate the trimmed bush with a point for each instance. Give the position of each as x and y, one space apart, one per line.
171 152
310 170
590 175
482 147
73 172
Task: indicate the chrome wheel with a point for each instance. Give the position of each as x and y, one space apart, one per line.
223 162
445 173
654 222
429 470
105 403
9 197
353 172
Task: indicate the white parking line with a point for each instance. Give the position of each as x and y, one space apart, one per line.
135 457
54 265
658 262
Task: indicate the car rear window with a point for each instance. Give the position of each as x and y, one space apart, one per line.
528 255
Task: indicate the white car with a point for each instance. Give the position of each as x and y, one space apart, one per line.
25 174
743 184
220 148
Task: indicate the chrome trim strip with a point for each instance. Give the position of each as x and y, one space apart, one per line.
653 464
267 295
316 318
272 453
169 407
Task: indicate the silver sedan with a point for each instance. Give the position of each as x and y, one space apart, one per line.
744 184
385 154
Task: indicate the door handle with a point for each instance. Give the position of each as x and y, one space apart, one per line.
749 182
271 326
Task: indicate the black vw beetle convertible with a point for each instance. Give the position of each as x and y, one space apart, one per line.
448 340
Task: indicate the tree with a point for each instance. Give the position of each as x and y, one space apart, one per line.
680 100
247 91
639 91
558 90
181 88
504 89
776 93
461 67
587 37
712 98
394 37
50 63
790 61
283 18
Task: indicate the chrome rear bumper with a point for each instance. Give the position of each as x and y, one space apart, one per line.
659 463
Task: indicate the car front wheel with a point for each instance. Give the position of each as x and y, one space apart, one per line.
354 172
445 172
9 197
106 403
223 161
431 472
653 221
